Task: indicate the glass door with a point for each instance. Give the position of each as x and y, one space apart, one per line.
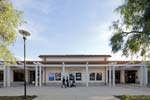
130 76
32 77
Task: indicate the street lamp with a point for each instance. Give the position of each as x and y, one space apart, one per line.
24 34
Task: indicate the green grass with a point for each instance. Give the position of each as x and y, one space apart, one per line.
16 97
139 97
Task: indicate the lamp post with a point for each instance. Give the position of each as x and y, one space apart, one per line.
25 34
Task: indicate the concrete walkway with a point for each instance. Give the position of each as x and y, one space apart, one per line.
79 93
66 97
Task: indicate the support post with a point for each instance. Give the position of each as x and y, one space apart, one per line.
106 75
113 67
87 74
109 75
122 76
40 76
43 76
141 75
63 70
145 75
27 76
36 75
8 76
4 76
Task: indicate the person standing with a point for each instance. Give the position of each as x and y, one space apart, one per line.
73 84
63 82
67 81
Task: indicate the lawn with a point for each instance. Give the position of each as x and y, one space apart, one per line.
140 97
16 97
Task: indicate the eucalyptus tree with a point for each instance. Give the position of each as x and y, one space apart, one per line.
10 20
131 32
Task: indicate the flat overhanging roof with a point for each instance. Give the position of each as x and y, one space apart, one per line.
73 55
20 64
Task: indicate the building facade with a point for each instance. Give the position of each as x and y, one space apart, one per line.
86 70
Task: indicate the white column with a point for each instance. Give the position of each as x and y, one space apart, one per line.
145 75
8 76
141 76
63 70
43 76
4 76
40 76
122 76
113 67
106 75
109 75
36 75
87 74
27 76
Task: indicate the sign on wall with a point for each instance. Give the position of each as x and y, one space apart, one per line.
51 76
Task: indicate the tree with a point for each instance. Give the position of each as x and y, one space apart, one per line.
132 29
10 19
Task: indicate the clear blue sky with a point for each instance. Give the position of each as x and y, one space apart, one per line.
66 27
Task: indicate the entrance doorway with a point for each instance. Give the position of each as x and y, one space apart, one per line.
32 77
117 76
130 76
1 76
149 77
18 75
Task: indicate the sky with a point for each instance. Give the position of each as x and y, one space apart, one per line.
66 27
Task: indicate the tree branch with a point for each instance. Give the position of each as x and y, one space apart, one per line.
126 33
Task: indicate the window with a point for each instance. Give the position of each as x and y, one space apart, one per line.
92 76
78 76
1 76
58 76
54 76
71 76
95 76
98 76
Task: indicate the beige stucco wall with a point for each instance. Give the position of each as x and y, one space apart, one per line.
69 70
75 59
11 75
98 69
75 69
52 69
139 75
122 76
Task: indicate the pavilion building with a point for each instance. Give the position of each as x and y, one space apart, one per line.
86 70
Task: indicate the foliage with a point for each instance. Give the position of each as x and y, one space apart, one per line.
132 29
139 97
16 97
10 19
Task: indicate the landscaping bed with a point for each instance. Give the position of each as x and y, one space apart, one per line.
16 97
139 97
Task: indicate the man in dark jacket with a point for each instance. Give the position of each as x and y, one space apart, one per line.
67 82
63 82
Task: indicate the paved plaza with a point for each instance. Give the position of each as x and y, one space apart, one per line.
78 93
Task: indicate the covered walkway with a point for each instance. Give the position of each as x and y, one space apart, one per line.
38 75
